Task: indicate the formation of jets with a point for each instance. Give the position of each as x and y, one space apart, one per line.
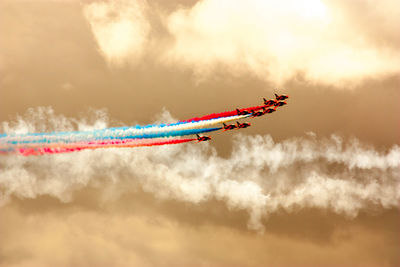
269 107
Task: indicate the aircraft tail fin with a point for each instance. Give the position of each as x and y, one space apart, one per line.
276 95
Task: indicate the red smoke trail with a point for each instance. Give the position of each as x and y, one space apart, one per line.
224 114
64 148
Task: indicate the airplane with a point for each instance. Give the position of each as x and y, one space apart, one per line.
281 97
242 125
229 127
243 112
203 138
270 110
280 103
258 113
270 102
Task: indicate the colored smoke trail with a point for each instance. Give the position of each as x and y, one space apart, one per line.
181 129
70 141
87 137
63 142
65 148
129 141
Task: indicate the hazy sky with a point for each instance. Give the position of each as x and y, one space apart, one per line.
314 184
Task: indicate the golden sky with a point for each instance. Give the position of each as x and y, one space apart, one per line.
314 184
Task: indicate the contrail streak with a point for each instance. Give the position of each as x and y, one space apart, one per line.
61 142
122 132
64 148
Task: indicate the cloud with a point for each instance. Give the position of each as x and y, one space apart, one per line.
260 176
277 41
120 29
77 235
324 42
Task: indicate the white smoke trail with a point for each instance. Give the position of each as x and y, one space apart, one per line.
260 176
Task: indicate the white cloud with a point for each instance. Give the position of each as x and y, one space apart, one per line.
120 28
276 41
327 42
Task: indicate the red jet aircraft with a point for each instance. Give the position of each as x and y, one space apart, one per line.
270 102
243 112
281 97
229 127
280 103
242 125
203 138
258 113
270 110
